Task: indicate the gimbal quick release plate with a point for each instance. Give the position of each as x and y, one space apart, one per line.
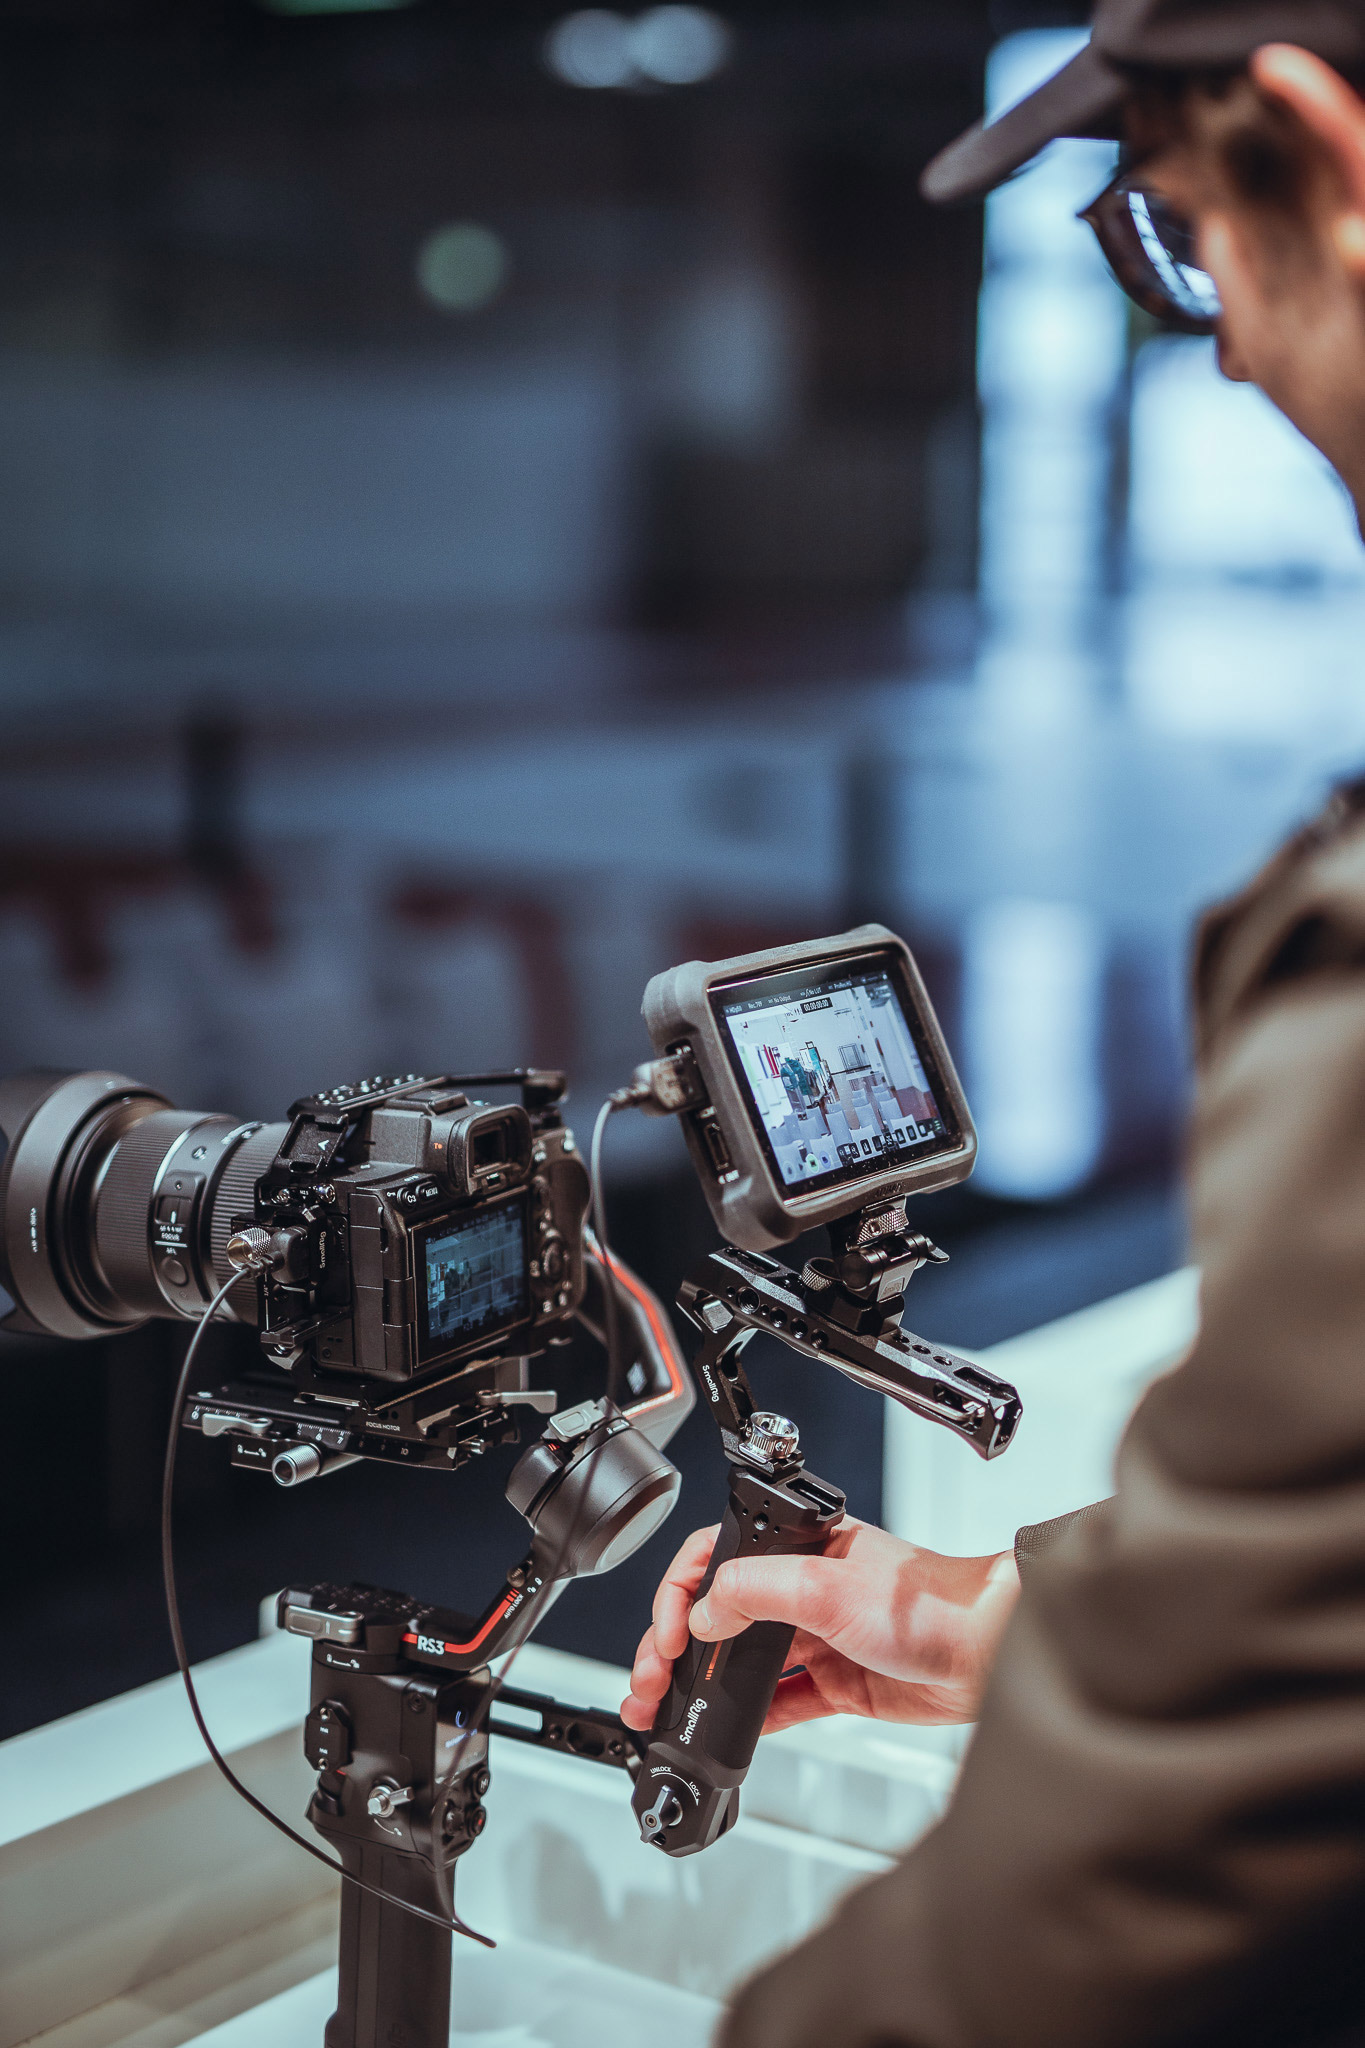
823 1083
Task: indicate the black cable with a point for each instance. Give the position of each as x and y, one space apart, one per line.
452 1923
620 1100
441 1870
599 1224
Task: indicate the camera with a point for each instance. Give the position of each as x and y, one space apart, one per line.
403 1249
414 1246
813 1081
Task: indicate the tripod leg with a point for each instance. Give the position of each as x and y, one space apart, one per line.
395 1969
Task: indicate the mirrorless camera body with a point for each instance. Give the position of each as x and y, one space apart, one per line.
417 1246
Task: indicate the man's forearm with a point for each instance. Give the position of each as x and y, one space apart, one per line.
1157 1835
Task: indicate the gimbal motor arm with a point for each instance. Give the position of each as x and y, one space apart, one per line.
403 1700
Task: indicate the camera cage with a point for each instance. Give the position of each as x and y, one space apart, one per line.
750 1206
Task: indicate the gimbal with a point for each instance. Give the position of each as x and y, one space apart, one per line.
846 1311
403 1698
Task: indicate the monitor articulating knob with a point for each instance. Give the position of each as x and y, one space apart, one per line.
772 1436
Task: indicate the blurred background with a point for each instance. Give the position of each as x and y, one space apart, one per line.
497 500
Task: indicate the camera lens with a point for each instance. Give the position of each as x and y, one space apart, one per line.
115 1207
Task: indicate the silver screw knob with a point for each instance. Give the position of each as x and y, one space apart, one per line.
385 1800
249 1250
294 1466
772 1436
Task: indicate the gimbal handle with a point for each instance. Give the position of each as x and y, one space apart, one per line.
706 1731
394 1969
845 1312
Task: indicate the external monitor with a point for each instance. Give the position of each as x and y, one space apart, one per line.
830 1085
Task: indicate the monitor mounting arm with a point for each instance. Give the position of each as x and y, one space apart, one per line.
844 1311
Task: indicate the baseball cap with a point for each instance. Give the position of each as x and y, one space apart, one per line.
1087 96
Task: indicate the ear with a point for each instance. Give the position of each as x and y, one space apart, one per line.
1334 114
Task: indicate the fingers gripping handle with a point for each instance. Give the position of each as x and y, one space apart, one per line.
736 1678
706 1731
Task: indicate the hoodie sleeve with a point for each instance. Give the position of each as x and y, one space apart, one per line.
1158 1836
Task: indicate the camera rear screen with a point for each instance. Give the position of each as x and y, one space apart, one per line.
473 1277
837 1081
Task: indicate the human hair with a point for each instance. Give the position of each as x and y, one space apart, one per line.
1253 142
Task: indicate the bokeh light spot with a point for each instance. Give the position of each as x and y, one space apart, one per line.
463 267
675 45
679 45
592 49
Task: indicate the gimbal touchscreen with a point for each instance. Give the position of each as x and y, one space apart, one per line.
837 1082
471 1276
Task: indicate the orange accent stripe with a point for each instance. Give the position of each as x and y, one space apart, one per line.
715 1659
454 1649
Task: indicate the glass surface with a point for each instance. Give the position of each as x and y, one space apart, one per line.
836 1080
474 1277
1169 246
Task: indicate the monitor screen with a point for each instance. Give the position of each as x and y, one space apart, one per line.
471 1277
838 1082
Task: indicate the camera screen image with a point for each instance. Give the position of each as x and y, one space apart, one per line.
474 1279
836 1082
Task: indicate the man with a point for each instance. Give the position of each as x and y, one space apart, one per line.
1158 1836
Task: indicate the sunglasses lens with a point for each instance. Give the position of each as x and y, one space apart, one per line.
1168 245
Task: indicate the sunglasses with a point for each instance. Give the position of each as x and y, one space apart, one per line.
1150 249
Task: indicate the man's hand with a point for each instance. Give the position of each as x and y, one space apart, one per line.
882 1628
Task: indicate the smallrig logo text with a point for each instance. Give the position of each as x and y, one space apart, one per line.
694 1714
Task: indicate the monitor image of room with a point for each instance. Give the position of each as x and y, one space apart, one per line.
836 1078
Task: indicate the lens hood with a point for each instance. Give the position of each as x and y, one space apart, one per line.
58 1130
